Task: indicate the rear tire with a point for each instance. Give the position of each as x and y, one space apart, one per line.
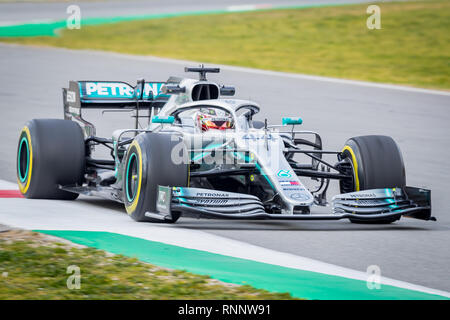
148 164
50 152
376 162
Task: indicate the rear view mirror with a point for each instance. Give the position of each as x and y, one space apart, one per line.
293 121
163 119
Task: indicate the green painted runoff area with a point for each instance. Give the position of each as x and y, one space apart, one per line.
300 283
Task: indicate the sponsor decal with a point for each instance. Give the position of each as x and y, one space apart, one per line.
363 195
284 174
74 111
299 196
71 97
210 201
212 194
289 183
293 189
162 198
250 136
118 90
163 202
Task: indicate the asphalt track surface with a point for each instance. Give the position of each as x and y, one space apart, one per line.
12 13
409 250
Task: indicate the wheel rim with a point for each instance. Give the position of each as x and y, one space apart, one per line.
132 177
350 155
347 185
23 159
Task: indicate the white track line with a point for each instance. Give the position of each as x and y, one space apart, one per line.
84 216
274 73
249 70
251 7
6 185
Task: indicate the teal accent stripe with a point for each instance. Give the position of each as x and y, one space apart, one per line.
300 283
130 199
52 28
22 178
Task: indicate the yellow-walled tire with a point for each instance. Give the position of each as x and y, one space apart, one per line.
50 152
376 162
148 164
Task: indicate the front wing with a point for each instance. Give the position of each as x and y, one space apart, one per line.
364 205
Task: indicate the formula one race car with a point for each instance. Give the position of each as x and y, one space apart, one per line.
205 156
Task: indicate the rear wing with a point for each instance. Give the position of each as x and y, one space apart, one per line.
113 95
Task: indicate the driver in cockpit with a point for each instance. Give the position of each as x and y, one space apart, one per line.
210 118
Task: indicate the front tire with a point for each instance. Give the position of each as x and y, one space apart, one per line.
148 164
376 162
50 152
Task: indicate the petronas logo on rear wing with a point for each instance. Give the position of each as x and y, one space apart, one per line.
113 94
118 90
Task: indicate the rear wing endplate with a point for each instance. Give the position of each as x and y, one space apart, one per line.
110 95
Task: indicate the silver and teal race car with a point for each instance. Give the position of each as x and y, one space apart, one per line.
201 153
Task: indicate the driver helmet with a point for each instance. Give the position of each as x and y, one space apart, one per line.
209 118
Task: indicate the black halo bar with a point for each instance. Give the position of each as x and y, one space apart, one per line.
227 172
308 153
321 174
292 150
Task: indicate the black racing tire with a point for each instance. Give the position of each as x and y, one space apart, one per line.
50 152
376 162
148 163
